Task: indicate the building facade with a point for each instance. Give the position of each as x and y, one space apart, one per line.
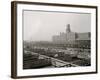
70 37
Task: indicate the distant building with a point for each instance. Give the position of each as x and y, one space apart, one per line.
70 37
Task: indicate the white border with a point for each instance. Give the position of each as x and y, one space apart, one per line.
21 72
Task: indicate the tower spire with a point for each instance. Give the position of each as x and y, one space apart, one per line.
68 28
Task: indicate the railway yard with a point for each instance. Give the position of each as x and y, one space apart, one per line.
48 57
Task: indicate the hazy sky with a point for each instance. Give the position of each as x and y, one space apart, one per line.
41 26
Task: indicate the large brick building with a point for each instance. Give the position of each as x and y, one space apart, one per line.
70 36
74 38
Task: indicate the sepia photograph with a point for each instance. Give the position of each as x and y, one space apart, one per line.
50 39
